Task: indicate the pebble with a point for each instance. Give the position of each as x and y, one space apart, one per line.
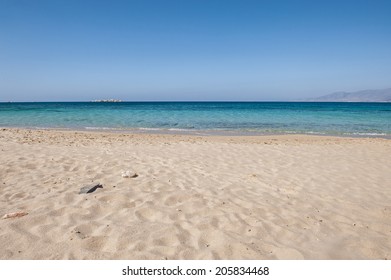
90 188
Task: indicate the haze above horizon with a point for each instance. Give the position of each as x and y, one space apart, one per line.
191 50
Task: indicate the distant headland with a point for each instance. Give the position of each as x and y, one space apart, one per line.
377 95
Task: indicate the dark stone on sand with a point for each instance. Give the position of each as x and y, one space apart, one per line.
90 188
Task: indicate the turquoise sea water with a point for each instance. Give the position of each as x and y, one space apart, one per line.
366 119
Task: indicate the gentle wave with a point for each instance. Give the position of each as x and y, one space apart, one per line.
101 128
366 134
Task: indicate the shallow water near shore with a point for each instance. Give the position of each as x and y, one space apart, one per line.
205 118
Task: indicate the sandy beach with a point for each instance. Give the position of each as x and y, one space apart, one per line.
195 197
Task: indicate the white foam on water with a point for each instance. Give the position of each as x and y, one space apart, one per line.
366 134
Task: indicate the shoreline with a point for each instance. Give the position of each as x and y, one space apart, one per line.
203 133
195 197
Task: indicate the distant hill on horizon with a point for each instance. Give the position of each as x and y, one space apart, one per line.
376 95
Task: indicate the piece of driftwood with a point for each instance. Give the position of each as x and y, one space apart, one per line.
15 215
90 188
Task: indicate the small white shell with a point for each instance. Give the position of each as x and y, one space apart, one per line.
129 174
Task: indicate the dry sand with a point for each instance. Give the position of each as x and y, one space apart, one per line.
269 197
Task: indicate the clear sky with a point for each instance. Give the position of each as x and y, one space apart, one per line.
192 49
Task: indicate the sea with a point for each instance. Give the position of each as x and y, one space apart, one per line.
205 118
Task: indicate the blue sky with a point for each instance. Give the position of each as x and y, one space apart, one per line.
192 50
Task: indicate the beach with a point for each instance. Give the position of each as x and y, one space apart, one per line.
194 197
